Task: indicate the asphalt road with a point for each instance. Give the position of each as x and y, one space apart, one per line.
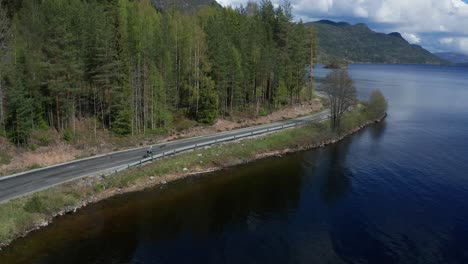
32 181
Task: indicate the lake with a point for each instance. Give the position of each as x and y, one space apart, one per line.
396 192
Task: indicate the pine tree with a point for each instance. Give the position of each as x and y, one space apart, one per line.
20 113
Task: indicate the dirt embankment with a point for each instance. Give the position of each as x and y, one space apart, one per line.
49 147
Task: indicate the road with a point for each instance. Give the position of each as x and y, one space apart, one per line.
32 181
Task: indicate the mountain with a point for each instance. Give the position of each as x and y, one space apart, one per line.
453 57
358 43
184 5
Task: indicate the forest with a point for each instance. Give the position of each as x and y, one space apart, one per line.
132 69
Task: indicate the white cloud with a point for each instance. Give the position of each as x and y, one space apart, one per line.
411 38
459 44
446 41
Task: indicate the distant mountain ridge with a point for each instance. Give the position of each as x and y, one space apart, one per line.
453 57
184 5
358 43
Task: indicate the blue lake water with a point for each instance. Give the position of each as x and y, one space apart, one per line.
397 192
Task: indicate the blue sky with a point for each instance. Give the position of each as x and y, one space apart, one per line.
437 25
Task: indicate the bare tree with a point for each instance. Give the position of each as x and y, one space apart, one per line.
4 33
341 94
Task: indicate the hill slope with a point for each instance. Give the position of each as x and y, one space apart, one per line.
184 5
453 57
358 43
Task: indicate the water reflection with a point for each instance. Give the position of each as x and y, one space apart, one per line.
378 130
337 174
148 224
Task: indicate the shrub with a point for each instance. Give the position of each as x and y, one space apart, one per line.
99 188
33 147
263 112
68 135
377 105
4 158
45 140
184 124
34 205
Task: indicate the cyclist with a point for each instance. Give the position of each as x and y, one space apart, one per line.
149 151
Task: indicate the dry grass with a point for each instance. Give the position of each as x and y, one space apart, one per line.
42 157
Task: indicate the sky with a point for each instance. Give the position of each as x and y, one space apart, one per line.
437 25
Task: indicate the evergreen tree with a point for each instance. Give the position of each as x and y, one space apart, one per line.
20 121
132 69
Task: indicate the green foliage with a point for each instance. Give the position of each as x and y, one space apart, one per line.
263 112
33 147
341 95
5 159
377 105
20 108
45 140
99 187
132 68
208 103
68 135
34 205
183 124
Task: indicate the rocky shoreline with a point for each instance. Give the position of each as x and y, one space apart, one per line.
152 182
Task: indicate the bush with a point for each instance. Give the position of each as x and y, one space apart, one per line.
33 147
263 112
45 140
377 105
183 124
34 205
99 188
68 135
4 158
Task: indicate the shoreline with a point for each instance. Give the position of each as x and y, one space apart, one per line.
151 181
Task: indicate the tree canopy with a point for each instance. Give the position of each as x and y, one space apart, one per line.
132 69
341 92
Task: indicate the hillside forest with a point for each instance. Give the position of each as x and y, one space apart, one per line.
131 70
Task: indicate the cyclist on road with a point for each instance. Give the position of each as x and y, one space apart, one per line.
149 151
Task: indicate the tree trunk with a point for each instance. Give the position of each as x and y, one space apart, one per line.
2 115
57 112
311 68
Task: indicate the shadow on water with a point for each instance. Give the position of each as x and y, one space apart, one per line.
336 176
376 131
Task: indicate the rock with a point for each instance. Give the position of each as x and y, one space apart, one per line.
44 224
163 182
151 178
185 169
68 209
200 155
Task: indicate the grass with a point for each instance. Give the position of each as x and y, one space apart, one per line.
23 214
5 159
